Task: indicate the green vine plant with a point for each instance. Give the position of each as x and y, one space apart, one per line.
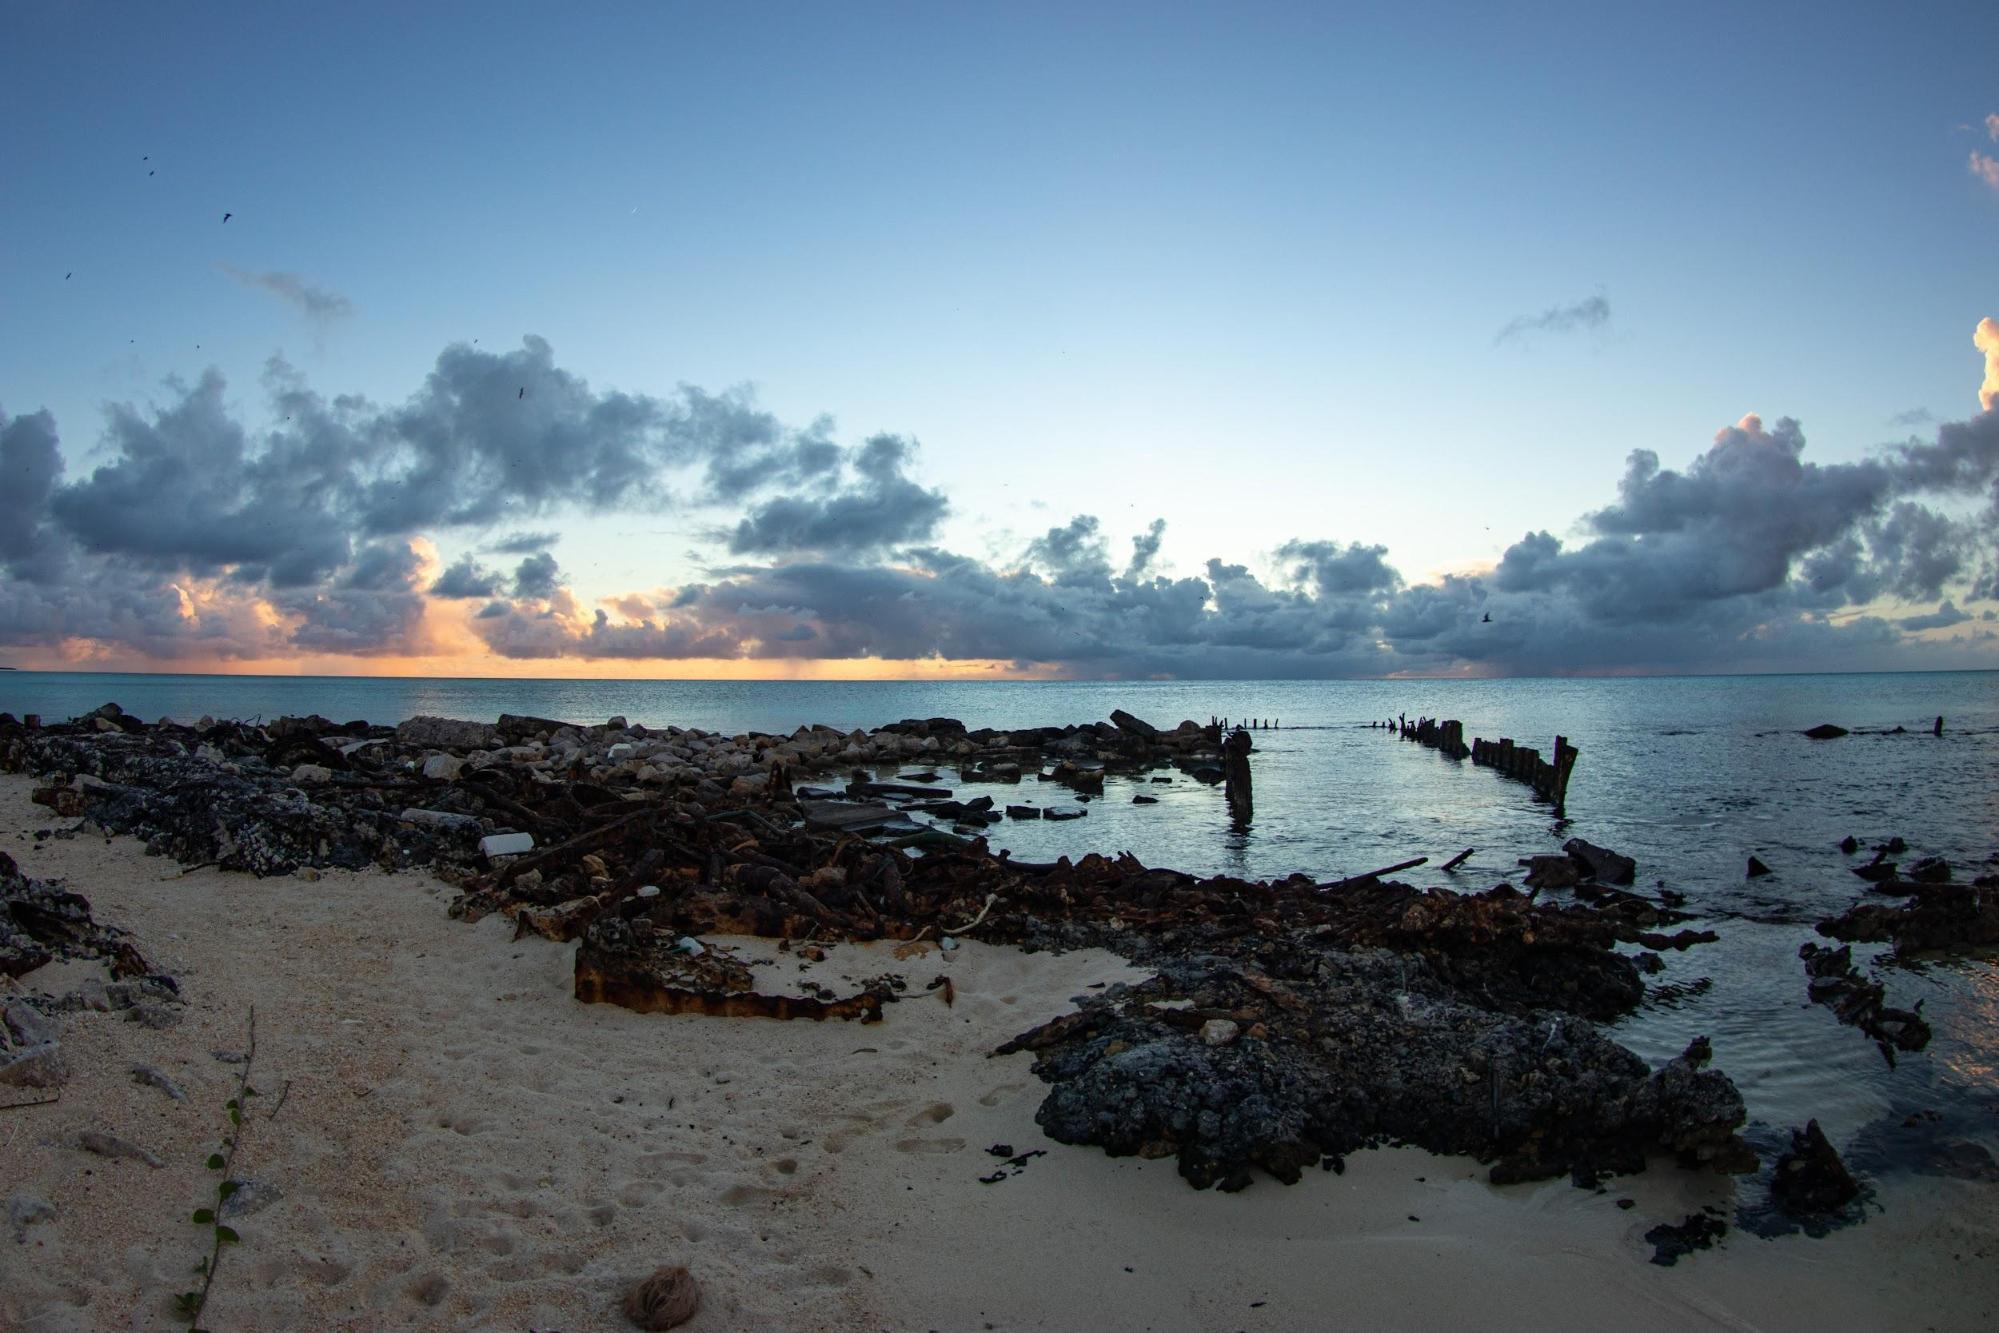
189 1305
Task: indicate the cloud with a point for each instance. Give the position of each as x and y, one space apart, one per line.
1591 313
467 578
1943 617
315 303
1992 127
195 537
536 576
879 508
1986 339
1985 167
1915 416
524 543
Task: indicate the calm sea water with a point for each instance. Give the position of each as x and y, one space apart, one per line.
1690 775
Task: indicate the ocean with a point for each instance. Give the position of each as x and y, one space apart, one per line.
1689 775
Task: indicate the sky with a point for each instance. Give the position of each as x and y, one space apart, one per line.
905 340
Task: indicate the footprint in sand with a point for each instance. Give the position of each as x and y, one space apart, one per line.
930 1146
934 1114
1000 1094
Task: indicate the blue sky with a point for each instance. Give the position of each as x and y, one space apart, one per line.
1238 268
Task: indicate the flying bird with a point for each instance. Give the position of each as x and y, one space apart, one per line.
523 393
1488 619
65 277
227 216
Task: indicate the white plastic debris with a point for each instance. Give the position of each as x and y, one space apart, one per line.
947 943
690 946
506 844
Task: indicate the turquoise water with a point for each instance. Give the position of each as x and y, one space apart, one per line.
1690 775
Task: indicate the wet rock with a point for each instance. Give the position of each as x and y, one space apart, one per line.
1601 863
1553 872
1057 813
1756 869
1810 1178
1023 812
1930 870
1145 800
1849 844
1857 1002
1368 1045
1826 731
1937 916
1697 1231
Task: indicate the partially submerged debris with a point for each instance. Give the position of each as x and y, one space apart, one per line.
1810 1179
1317 1019
1858 1002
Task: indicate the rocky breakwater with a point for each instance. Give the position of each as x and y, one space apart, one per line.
1287 1024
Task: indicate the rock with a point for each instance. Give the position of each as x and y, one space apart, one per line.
443 767
307 874
1756 869
29 1026
39 1066
1145 800
155 1078
1219 1032
1208 773
440 819
1810 1178
1930 870
1826 731
505 844
1602 863
149 1014
110 1145
1124 721
1696 1232
250 1196
311 775
1057 813
447 733
1023 812
1849 844
1553 872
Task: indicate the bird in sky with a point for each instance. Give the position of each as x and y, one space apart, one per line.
66 276
227 216
1488 619
523 393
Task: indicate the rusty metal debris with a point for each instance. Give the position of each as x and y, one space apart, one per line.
1313 1020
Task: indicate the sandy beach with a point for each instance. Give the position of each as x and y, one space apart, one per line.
446 1139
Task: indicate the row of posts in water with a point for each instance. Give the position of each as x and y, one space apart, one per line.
1548 777
1222 724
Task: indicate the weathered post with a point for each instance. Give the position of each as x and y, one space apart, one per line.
1235 776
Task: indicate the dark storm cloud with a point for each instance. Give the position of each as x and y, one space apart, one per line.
467 578
1915 416
877 507
536 576
315 303
30 466
191 529
1591 313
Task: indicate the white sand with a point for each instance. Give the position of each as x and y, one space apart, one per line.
465 1146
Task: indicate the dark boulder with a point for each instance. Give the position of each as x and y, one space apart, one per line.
1826 731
